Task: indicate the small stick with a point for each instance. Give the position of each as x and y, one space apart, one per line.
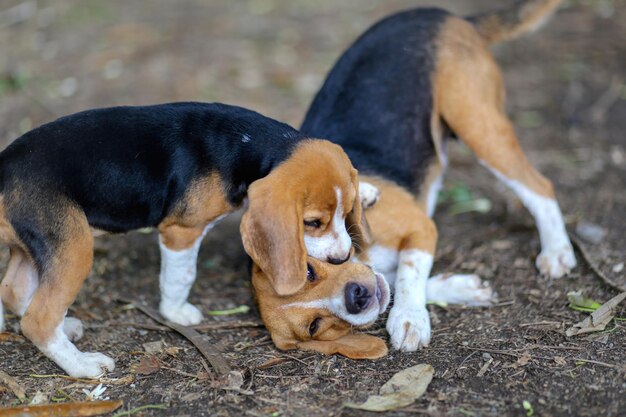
82 409
213 355
13 385
608 365
583 251
199 327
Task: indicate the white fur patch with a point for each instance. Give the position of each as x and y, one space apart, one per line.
73 328
76 363
557 255
382 259
369 194
336 242
30 284
433 193
461 289
409 323
178 273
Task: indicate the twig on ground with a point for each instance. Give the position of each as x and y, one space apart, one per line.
583 251
75 409
13 385
213 355
200 327
138 409
608 365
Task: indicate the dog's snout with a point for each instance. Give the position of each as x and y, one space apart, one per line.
336 261
357 298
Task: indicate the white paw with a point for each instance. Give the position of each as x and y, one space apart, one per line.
409 328
369 194
186 315
463 289
557 262
90 365
73 328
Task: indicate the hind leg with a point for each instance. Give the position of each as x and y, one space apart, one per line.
470 98
19 285
63 275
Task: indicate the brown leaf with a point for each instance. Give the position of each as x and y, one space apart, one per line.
598 320
560 360
521 361
172 350
148 365
400 391
78 409
11 337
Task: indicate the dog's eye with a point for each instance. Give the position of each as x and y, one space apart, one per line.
314 326
313 223
310 273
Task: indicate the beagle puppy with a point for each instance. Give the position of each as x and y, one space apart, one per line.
180 168
392 101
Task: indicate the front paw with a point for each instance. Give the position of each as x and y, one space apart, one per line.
369 194
556 263
186 315
409 328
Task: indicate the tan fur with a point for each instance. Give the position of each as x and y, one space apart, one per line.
62 281
288 326
204 201
398 221
524 16
300 188
470 98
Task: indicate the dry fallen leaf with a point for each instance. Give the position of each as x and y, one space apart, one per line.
521 361
147 365
598 320
152 348
11 337
401 390
79 409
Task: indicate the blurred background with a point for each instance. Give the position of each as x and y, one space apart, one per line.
61 56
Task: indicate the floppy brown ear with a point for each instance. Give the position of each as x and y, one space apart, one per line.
353 346
272 232
356 223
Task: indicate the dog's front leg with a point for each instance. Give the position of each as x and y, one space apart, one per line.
179 255
409 323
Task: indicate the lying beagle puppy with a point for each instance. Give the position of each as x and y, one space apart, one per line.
391 101
178 167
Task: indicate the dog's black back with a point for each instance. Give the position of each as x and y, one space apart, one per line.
377 100
126 167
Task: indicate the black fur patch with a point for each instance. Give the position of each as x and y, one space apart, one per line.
377 100
127 167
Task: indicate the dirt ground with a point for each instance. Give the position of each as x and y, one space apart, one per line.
568 100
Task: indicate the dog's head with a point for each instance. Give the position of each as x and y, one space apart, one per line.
335 300
309 204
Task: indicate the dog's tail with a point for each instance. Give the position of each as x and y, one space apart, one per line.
523 16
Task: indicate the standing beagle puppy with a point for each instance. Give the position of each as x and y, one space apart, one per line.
178 167
391 101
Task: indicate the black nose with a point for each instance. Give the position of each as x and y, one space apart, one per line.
336 261
357 298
